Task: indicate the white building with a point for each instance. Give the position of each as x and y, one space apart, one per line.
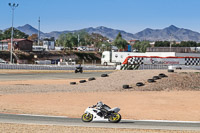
49 45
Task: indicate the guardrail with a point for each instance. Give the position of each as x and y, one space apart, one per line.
53 67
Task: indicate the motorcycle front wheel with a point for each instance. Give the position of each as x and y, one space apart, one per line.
114 118
87 117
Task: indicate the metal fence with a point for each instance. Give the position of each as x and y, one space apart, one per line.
53 67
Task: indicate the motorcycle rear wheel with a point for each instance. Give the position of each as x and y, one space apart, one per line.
87 117
115 118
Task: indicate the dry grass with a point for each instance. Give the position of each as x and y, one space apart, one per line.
23 128
182 81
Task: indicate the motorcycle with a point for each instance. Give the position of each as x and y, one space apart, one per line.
79 69
111 115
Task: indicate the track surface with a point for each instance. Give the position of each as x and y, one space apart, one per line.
64 121
32 76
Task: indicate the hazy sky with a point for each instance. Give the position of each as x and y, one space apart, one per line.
129 15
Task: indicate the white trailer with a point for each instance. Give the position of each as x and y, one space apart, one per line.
115 58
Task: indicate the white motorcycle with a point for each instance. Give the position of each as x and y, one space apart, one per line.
92 113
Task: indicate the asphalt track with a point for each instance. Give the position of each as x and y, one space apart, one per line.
64 121
64 75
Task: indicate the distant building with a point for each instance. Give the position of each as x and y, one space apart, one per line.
4 45
132 42
18 44
49 44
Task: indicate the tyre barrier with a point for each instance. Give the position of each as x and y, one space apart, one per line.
170 70
82 81
156 77
126 86
72 83
90 79
139 84
104 75
162 75
150 80
179 68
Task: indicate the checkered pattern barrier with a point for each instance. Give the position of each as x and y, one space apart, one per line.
135 60
192 61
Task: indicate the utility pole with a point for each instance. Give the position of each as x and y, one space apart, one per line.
13 6
39 31
170 42
78 39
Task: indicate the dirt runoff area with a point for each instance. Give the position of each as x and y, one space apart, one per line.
174 97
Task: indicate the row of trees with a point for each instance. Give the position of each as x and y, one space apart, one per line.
141 46
16 34
82 38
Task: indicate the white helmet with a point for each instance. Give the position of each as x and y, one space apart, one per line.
99 104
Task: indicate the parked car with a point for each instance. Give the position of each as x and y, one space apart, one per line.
82 48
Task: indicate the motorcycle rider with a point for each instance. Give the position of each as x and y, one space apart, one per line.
79 66
102 107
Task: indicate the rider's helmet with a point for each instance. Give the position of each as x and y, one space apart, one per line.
99 104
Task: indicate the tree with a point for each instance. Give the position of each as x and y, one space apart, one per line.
1 35
98 40
120 42
141 46
162 44
16 34
34 38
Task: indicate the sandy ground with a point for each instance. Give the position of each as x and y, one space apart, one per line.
177 100
20 128
176 105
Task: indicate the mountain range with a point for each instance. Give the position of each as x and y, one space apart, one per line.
172 33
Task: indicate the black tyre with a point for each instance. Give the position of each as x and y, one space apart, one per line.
87 117
81 71
178 68
115 118
104 75
105 63
150 80
139 84
90 79
161 75
170 70
82 81
156 77
72 83
125 86
76 71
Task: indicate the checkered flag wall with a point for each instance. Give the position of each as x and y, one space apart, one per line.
192 61
135 60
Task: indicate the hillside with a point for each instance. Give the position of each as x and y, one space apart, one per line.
169 33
